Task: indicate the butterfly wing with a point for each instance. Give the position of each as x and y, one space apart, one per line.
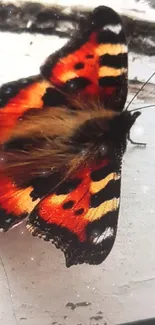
17 202
80 216
94 62
17 98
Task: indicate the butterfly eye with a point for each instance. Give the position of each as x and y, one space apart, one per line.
76 84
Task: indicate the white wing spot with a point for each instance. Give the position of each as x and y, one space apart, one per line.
108 233
114 28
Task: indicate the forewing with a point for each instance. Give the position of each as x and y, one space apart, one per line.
17 98
94 62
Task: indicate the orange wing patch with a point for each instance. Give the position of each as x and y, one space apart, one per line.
15 200
85 62
15 203
78 207
17 98
27 98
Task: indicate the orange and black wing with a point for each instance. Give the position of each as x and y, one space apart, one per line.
80 216
17 98
94 62
17 202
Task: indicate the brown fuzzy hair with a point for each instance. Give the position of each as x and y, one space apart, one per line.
57 138
54 139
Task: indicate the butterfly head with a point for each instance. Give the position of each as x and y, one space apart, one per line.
104 133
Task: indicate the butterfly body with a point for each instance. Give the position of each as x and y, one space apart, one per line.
62 147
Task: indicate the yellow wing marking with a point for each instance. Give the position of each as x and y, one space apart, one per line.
68 75
112 49
97 186
111 72
57 199
99 212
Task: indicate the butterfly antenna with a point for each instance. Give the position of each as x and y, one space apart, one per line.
140 108
145 83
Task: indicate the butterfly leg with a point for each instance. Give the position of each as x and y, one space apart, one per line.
135 143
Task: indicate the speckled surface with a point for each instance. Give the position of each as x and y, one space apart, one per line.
35 286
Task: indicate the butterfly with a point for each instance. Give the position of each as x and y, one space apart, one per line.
63 134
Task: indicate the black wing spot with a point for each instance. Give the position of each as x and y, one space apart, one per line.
79 212
68 205
79 66
89 56
53 97
75 84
